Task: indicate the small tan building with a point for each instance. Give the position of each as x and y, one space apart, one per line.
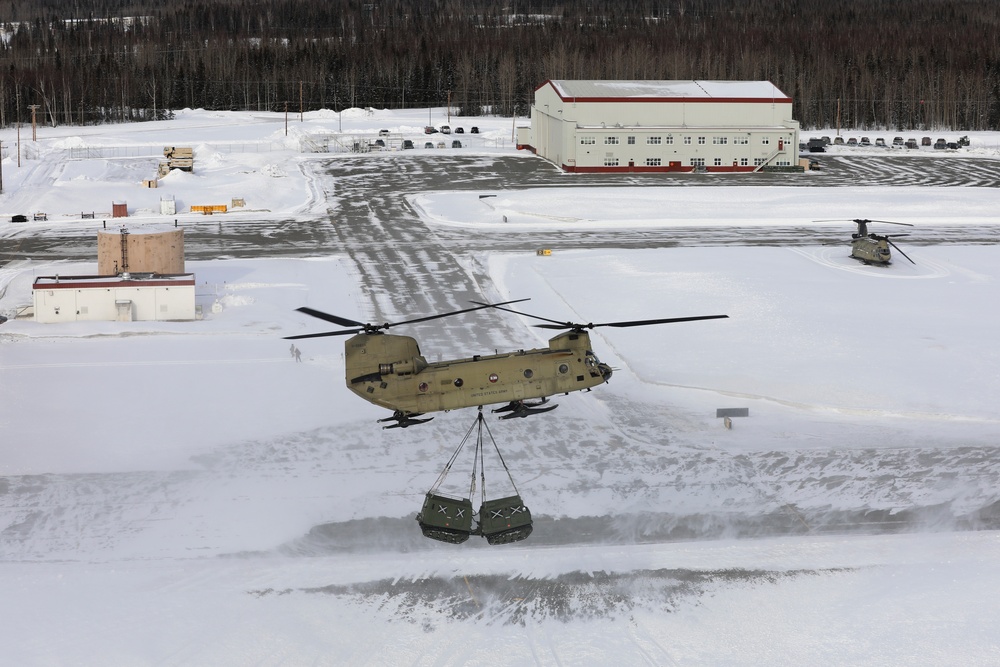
662 126
125 298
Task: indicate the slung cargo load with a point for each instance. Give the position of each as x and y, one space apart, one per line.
446 519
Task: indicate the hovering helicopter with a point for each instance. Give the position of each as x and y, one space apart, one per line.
389 370
872 248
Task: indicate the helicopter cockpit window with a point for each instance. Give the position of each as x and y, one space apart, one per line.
528 373
563 368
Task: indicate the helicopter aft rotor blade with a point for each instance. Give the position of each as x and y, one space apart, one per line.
335 319
454 312
342 332
358 327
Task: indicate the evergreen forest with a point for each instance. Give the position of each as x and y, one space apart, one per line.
865 64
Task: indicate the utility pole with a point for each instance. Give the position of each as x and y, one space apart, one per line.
19 144
449 107
34 134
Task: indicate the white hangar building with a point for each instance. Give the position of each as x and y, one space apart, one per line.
662 126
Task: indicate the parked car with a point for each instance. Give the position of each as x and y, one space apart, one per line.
852 141
429 144
383 133
380 143
912 143
865 141
816 145
474 130
430 130
459 130
940 143
880 142
407 144
953 145
826 140
456 144
445 129
926 141
440 144
897 141
838 141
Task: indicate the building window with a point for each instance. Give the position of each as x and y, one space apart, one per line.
697 162
631 140
687 141
765 140
670 139
743 141
652 162
701 141
588 141
744 162
720 140
653 140
757 161
717 162
610 162
611 140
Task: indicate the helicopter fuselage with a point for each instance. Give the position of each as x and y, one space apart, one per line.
871 249
389 370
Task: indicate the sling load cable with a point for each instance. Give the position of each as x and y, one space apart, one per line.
503 520
444 518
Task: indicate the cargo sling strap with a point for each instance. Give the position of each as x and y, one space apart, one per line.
478 461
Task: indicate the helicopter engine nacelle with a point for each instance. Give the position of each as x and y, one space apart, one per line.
368 355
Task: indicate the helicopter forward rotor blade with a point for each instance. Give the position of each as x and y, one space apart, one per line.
865 220
557 325
900 251
633 323
562 325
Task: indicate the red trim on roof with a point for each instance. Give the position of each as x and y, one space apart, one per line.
107 282
652 170
670 100
110 286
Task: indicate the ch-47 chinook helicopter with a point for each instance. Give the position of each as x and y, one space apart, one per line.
389 370
872 248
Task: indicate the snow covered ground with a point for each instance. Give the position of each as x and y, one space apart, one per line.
185 493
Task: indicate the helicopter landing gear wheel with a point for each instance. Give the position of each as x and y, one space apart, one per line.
524 408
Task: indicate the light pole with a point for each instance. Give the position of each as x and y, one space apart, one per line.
34 134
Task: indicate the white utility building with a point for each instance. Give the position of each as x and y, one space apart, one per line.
123 298
662 126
